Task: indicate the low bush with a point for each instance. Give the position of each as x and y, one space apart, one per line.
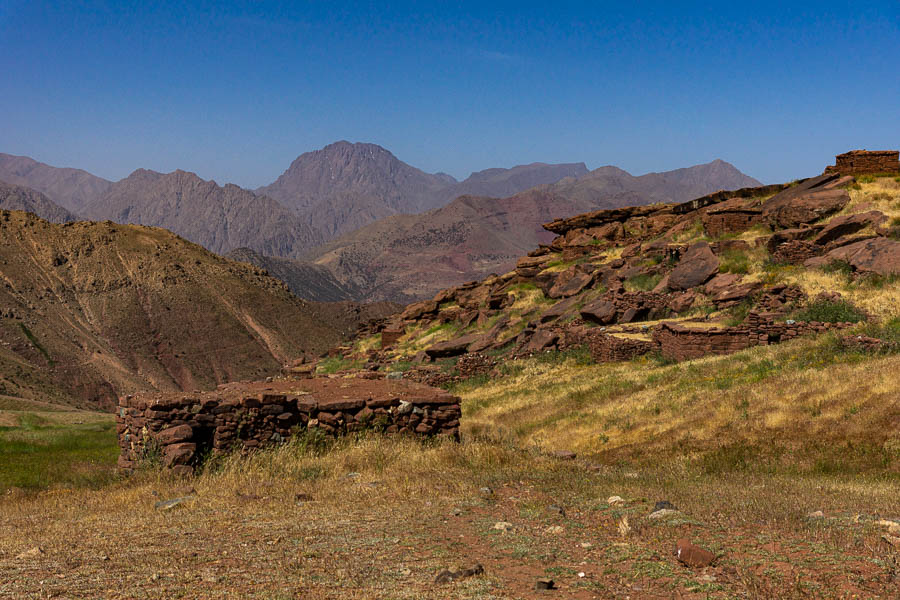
829 311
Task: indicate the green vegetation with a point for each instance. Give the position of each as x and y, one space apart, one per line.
334 364
36 344
734 261
43 450
643 282
829 311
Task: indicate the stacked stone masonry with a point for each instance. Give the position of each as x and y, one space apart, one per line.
677 342
614 348
182 428
857 162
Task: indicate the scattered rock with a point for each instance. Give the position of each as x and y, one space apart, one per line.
486 491
891 540
31 553
816 515
503 526
545 584
693 556
555 529
663 504
663 513
303 497
165 505
556 509
614 500
564 454
448 576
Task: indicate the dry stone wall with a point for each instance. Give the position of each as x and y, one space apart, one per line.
857 162
183 428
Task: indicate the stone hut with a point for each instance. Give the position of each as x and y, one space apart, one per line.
858 162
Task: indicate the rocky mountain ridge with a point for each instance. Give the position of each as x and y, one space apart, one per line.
408 257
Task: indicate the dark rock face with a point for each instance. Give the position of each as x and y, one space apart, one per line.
452 347
879 255
602 312
695 268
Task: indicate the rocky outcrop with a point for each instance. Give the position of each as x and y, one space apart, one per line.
795 210
857 162
878 255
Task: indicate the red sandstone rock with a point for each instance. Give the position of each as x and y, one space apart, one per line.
601 311
849 224
569 283
452 347
693 556
173 435
695 268
879 255
805 208
178 454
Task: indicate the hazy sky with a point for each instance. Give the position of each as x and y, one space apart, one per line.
236 90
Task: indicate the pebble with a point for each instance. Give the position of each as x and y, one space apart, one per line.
544 584
555 530
170 504
664 513
486 491
693 556
816 515
565 454
31 553
503 526
556 509
663 504
586 545
613 500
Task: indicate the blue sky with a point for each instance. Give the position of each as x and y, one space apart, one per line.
236 90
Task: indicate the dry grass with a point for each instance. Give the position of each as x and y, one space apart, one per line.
388 514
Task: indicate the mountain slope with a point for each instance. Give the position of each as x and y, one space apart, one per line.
17 197
70 188
219 218
410 257
94 310
305 280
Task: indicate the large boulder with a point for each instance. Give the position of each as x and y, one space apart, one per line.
601 311
570 282
696 267
454 347
803 209
878 255
849 224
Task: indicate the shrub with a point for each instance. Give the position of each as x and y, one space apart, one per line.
830 311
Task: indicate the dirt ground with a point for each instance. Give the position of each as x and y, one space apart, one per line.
382 518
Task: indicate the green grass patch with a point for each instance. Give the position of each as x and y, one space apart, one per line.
829 311
643 282
734 261
38 455
334 364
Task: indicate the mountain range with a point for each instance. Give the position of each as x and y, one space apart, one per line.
409 257
362 223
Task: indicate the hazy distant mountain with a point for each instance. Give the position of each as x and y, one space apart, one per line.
306 280
345 186
17 197
611 187
70 188
412 256
500 183
218 218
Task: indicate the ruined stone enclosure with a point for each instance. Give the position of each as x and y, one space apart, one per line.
181 429
859 162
